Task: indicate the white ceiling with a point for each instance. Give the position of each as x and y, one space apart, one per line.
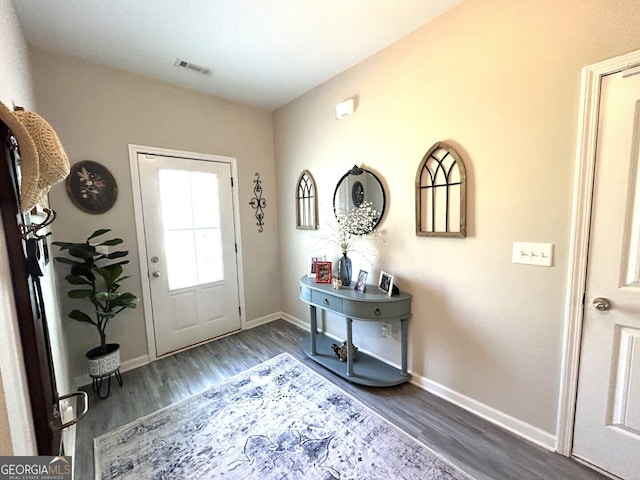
263 53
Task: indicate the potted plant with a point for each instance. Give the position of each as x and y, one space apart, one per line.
97 276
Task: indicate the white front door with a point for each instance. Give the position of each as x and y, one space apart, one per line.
607 422
190 242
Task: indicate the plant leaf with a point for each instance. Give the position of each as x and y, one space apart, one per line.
97 233
121 262
68 261
118 254
67 245
77 280
87 252
114 241
79 293
81 317
82 270
107 296
127 299
110 274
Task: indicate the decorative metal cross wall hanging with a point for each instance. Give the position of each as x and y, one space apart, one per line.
258 203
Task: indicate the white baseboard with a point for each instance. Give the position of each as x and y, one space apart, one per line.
85 379
294 321
256 322
518 427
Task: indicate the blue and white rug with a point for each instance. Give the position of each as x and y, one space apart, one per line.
278 420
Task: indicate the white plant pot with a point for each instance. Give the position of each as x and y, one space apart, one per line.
102 364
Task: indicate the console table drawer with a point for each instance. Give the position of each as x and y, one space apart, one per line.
326 301
372 311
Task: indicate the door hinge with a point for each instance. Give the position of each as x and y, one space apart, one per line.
231 182
236 245
239 310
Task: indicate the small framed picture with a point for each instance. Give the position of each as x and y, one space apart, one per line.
323 272
312 265
385 284
361 284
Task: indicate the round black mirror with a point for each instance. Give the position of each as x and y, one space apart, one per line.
356 189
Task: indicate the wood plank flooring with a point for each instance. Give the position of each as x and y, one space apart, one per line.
477 446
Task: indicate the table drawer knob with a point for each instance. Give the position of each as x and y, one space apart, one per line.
326 302
377 312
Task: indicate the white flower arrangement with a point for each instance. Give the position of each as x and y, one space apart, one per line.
354 224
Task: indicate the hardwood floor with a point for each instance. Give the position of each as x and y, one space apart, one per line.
477 446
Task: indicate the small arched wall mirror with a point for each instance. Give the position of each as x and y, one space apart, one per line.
357 188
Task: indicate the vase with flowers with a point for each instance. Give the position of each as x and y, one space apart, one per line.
352 225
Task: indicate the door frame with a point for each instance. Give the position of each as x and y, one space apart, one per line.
34 350
134 150
584 179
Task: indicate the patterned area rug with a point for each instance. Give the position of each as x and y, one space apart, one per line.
278 420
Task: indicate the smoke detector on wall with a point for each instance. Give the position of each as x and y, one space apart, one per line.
192 66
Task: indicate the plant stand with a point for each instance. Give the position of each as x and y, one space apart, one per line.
98 381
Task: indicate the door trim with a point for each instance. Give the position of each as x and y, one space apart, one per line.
584 177
134 150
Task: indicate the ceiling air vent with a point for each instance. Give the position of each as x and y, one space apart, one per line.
192 66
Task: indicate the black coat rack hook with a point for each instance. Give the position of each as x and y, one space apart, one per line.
33 228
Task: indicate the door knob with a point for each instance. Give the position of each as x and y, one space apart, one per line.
601 304
156 274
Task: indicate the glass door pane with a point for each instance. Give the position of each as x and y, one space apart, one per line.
192 231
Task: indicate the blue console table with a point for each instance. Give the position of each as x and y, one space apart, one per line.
371 306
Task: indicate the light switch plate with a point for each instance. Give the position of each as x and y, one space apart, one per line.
103 249
530 253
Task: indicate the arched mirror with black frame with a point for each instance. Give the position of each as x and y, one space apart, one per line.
359 188
306 202
441 193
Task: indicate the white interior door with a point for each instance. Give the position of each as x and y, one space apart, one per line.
191 251
607 422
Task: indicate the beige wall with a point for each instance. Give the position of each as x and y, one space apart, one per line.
97 112
500 81
5 434
15 87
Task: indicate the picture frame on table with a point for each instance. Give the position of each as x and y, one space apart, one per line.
312 264
385 283
361 283
323 272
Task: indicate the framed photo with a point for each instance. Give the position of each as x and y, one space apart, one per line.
91 187
312 265
361 283
323 272
385 284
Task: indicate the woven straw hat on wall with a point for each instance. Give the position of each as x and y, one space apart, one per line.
53 162
43 159
30 165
